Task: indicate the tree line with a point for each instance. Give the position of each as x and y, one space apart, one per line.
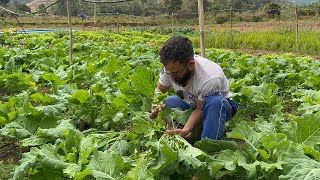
185 8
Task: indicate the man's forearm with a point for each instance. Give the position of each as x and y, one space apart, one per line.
194 121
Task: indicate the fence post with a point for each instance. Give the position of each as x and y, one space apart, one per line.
172 23
70 30
297 29
94 16
201 24
231 35
118 22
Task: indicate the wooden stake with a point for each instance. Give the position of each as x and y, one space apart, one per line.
231 38
172 23
70 30
94 16
118 22
297 29
201 26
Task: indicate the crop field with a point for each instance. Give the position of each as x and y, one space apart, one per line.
90 119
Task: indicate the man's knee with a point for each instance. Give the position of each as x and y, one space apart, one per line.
176 102
215 101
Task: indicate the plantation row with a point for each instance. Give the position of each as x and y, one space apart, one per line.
90 120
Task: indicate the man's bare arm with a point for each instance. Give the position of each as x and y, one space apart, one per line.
155 109
162 88
193 122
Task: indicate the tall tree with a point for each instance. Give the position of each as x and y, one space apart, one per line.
173 5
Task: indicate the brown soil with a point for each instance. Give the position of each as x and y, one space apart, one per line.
11 151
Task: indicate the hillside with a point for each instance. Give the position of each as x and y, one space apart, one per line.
35 4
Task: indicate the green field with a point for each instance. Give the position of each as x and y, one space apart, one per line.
90 119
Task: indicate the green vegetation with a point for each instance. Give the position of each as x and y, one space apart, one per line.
282 41
90 119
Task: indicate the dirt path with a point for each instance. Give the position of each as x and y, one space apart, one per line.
11 151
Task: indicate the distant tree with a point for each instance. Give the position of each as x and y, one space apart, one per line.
61 8
21 7
41 6
137 9
271 10
4 1
173 5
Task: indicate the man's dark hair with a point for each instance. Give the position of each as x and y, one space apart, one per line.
177 48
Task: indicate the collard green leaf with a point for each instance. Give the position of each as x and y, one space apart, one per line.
72 170
56 132
143 126
189 157
167 156
72 140
143 81
307 131
311 151
181 116
301 168
80 96
140 172
114 64
34 141
43 98
212 146
50 110
28 160
120 147
106 165
16 130
271 166
252 138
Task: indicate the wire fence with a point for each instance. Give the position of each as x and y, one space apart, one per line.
230 23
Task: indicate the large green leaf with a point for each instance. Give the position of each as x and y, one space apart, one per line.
167 156
16 130
80 96
106 165
87 146
140 172
120 147
307 131
252 138
141 125
143 81
212 146
49 110
27 161
302 169
231 161
189 157
56 132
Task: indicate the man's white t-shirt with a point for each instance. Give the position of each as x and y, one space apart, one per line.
208 79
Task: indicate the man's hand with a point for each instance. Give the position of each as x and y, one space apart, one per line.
180 132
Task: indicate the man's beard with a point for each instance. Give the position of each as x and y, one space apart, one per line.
182 80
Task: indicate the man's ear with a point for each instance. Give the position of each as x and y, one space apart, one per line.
191 64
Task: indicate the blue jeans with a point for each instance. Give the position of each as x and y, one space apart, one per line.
216 111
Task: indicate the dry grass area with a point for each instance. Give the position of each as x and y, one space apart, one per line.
267 26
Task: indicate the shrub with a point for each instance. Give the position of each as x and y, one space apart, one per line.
271 10
307 12
247 17
222 18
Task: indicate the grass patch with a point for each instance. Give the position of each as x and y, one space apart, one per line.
277 41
